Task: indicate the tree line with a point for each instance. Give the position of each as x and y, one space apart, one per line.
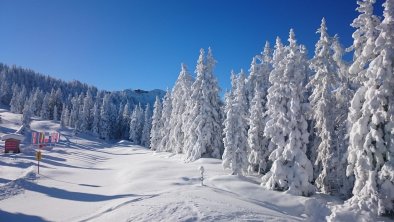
305 125
107 115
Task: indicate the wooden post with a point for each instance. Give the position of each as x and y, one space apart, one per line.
38 158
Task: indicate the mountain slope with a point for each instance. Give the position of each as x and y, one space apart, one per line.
86 179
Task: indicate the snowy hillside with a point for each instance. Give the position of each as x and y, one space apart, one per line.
85 179
141 96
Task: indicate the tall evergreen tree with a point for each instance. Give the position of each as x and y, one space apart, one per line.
258 143
105 118
235 128
27 114
204 135
55 113
155 133
343 96
323 82
87 117
364 41
64 116
371 151
136 124
96 119
145 138
45 108
165 120
126 121
180 94
291 170
259 74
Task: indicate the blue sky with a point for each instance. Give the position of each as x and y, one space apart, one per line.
116 44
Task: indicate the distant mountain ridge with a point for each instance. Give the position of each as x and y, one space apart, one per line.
141 96
10 75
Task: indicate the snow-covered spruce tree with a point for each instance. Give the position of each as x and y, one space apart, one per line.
18 99
55 99
155 133
96 119
136 124
165 121
180 94
291 170
126 121
45 108
259 71
343 95
27 114
55 113
145 138
323 82
371 151
105 118
364 41
258 143
37 100
75 120
235 128
87 117
63 116
5 92
204 135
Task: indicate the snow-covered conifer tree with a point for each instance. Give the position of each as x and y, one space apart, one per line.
96 119
105 118
27 114
87 117
259 73
235 156
165 120
18 99
136 124
371 152
343 96
145 138
323 82
63 117
291 170
204 135
257 142
55 113
180 94
37 100
74 114
45 108
364 41
155 133
126 121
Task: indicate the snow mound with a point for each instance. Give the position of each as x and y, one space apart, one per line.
17 186
124 143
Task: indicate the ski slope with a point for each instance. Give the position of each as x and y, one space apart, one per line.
86 179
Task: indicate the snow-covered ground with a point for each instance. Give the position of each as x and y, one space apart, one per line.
86 179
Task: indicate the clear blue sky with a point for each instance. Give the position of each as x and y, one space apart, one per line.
116 45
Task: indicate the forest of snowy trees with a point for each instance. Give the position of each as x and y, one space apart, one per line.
107 115
305 125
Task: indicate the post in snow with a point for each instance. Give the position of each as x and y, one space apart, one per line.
201 168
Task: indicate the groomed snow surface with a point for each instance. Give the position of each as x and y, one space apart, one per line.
86 179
